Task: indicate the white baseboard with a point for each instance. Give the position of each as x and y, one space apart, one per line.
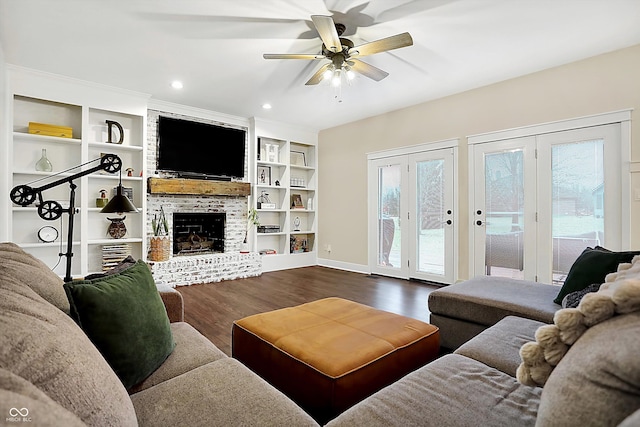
339 265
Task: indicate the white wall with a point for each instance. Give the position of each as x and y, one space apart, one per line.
5 129
596 85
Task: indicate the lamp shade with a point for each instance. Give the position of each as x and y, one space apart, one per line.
120 203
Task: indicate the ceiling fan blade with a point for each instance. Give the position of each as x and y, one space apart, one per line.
308 56
317 77
382 45
368 70
328 33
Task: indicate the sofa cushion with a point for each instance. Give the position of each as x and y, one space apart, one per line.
591 267
486 299
192 350
451 391
27 269
22 402
598 380
44 346
499 345
572 299
124 316
221 393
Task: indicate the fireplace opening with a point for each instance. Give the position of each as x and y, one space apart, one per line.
198 233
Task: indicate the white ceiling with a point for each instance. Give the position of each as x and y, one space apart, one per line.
215 47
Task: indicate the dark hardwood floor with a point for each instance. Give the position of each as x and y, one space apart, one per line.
212 308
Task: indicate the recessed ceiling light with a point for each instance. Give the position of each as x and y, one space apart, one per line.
176 84
266 106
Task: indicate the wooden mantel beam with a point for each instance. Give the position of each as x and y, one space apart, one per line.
181 186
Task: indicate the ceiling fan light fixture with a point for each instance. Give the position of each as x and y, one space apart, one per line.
336 79
328 73
350 73
340 51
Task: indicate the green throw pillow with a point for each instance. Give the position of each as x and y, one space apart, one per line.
125 318
591 267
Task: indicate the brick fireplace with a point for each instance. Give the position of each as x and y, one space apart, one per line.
198 233
223 261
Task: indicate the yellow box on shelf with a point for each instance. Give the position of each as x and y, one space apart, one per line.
50 130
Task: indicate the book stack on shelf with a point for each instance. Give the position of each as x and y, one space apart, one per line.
299 243
113 254
268 229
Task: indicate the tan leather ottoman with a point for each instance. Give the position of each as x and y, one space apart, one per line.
329 354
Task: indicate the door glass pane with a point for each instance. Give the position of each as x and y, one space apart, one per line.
389 181
504 220
578 202
430 216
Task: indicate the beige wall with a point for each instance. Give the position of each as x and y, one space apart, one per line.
600 84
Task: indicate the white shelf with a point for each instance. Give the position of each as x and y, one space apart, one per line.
276 164
47 245
271 187
114 241
271 210
284 171
54 175
68 154
42 139
309 168
106 146
116 177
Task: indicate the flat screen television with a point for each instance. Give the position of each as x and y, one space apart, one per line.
200 150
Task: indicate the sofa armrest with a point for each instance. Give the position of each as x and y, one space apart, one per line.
174 304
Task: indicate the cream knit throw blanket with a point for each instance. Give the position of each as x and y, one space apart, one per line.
619 294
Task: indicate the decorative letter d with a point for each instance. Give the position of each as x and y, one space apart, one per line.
110 124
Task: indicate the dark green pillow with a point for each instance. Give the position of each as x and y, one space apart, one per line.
125 318
591 267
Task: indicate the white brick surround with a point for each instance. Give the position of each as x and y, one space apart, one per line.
186 270
194 269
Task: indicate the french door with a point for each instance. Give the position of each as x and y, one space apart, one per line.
539 201
412 215
504 208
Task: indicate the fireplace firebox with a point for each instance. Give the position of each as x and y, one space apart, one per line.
198 233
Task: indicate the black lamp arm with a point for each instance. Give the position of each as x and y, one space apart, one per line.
24 195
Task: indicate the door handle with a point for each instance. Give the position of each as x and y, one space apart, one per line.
448 222
478 222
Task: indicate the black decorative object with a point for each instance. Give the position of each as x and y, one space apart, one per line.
24 195
110 124
120 202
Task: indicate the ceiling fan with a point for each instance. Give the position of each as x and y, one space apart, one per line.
342 53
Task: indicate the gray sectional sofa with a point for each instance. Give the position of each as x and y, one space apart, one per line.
52 374
487 321
465 309
597 383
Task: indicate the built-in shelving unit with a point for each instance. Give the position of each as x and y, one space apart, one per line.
46 99
285 195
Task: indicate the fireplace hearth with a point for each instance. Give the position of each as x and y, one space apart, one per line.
198 233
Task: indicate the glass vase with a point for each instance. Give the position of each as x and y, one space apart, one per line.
44 165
